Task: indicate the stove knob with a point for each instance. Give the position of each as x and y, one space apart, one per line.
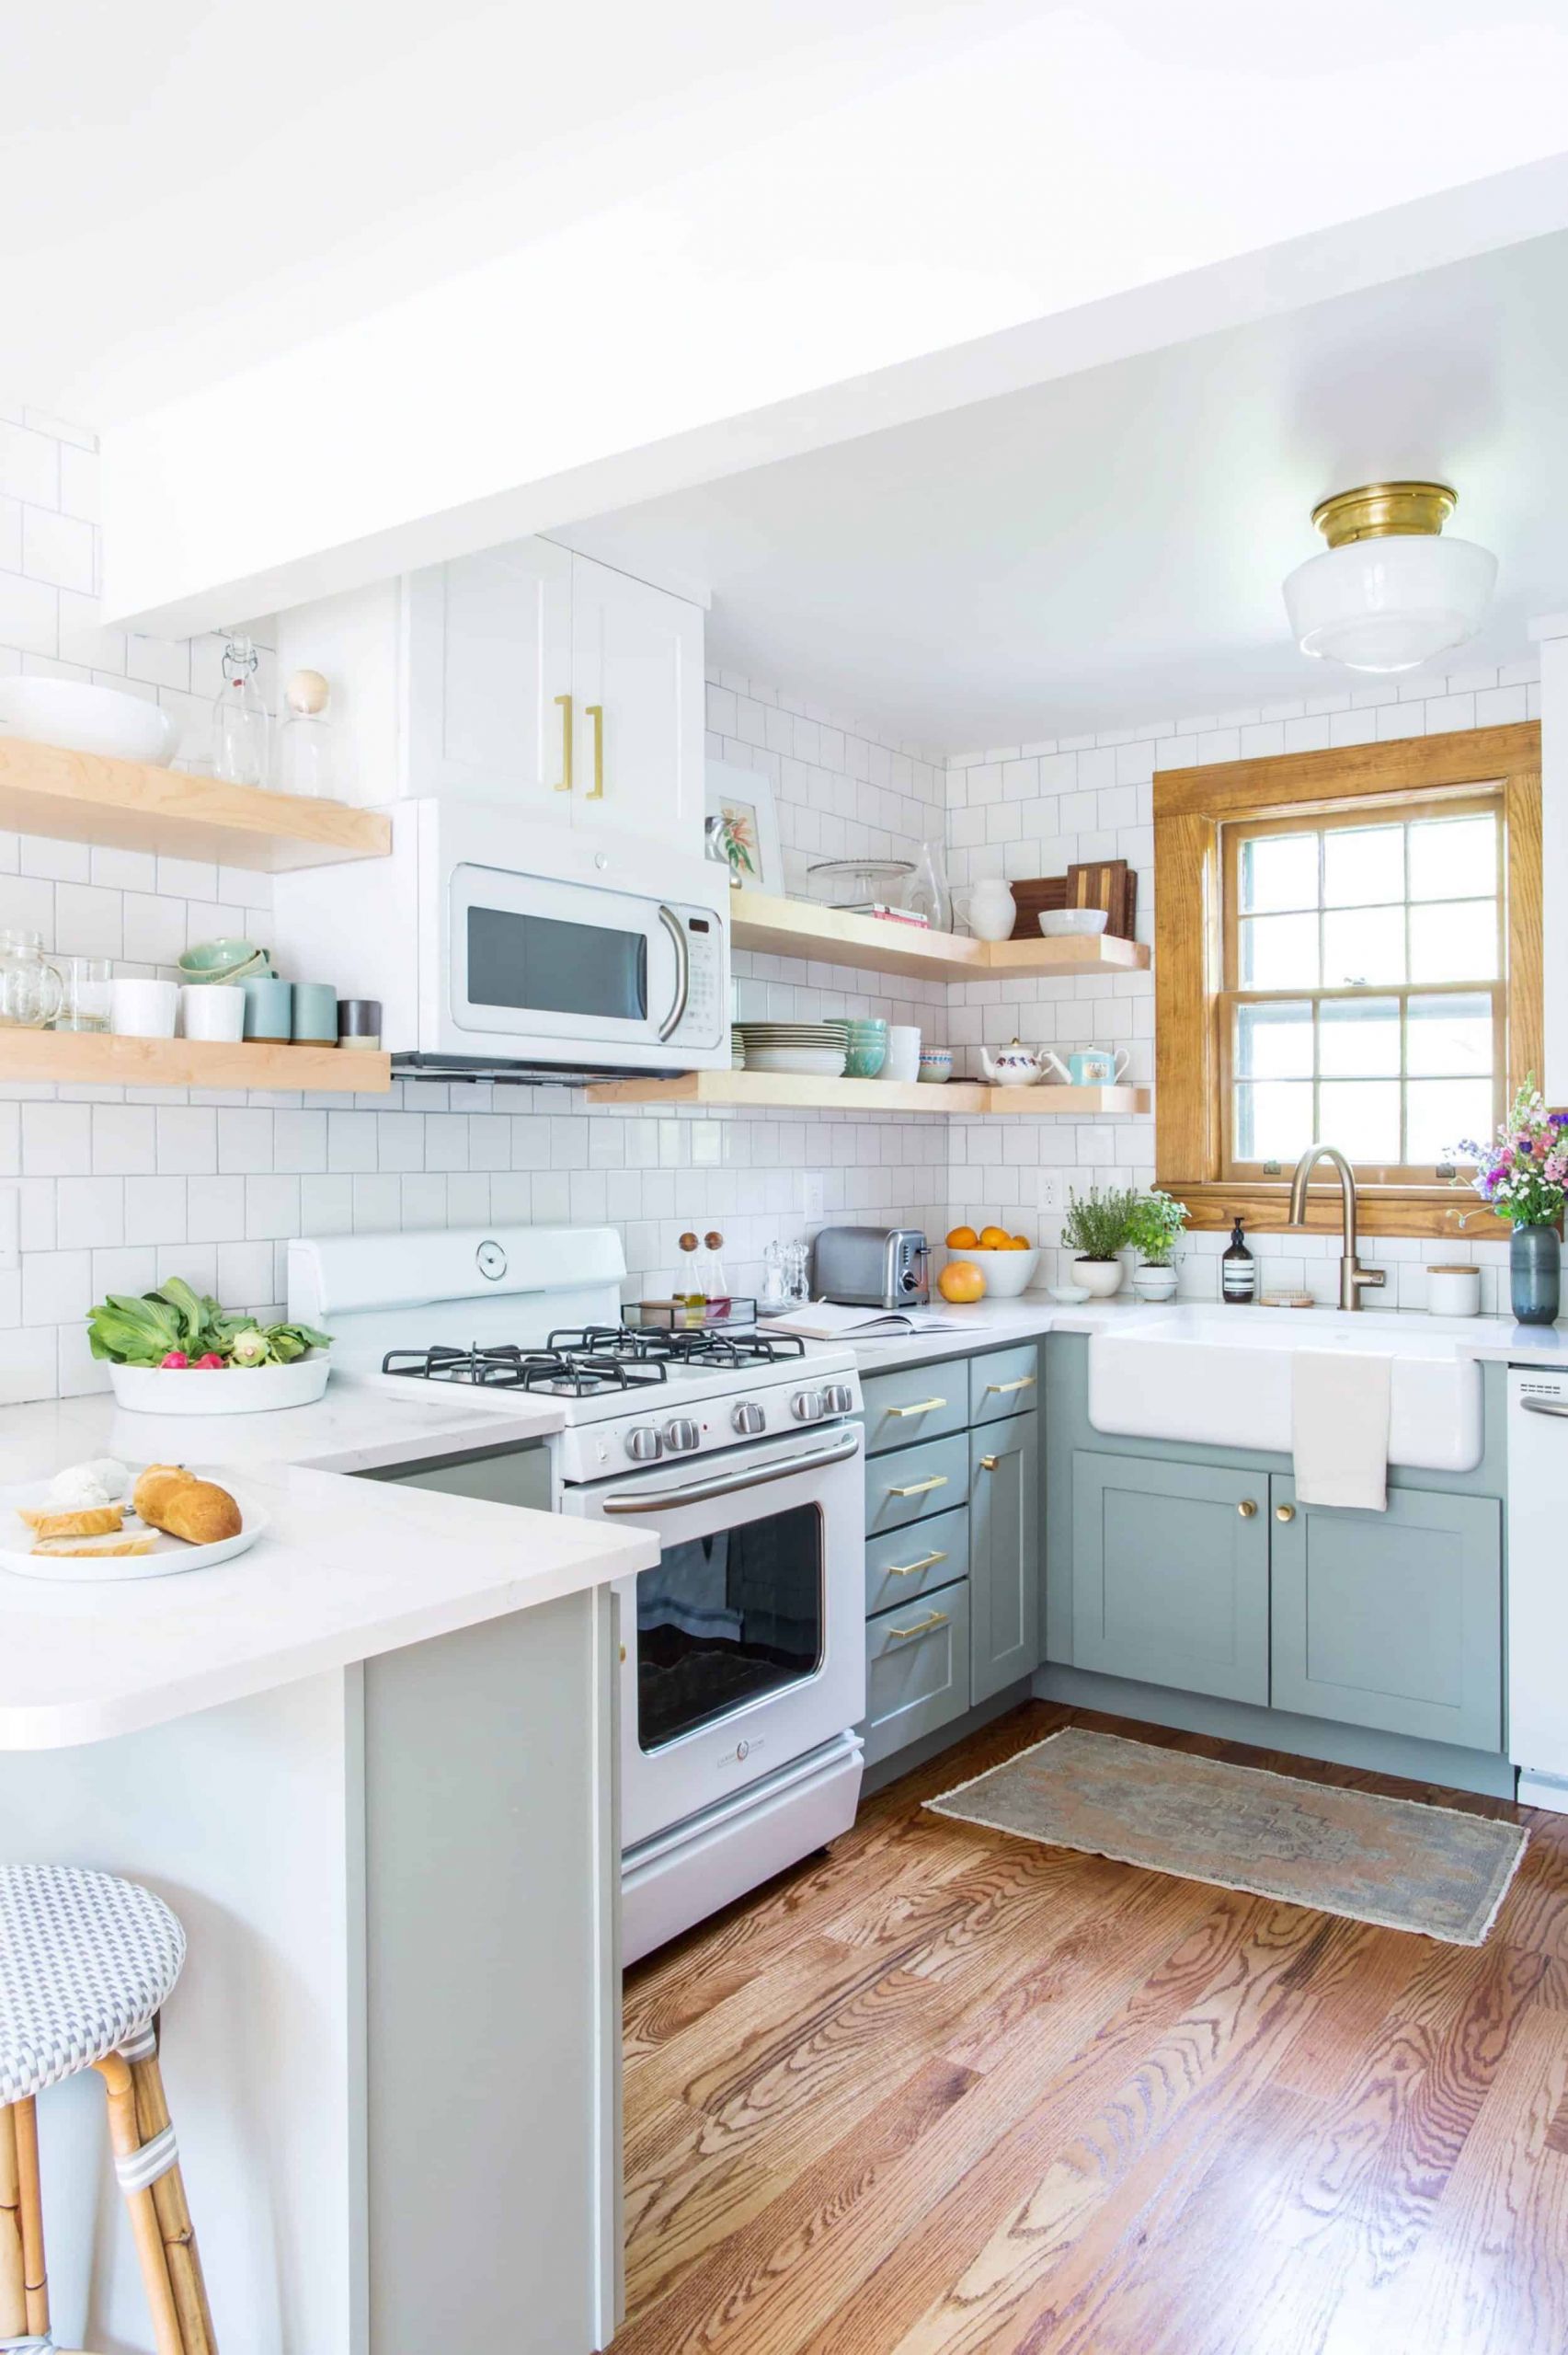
838 1398
644 1443
748 1417
806 1406
680 1437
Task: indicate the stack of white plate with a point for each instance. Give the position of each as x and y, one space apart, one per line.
737 1048
812 1049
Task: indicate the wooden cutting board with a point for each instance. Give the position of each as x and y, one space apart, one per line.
1030 898
1108 883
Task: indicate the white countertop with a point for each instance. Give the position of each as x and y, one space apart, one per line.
349 1568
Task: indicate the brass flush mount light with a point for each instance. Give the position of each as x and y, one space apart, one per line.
1389 592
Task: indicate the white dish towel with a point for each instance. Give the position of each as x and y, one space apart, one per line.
1339 1427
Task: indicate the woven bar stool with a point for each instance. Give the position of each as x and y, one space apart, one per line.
85 1961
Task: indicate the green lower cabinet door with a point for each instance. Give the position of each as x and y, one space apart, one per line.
1004 1554
1170 1574
1391 1619
917 1670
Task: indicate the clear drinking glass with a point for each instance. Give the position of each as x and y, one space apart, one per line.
31 991
241 728
306 751
84 1005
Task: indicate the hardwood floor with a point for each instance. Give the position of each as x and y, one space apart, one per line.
943 2092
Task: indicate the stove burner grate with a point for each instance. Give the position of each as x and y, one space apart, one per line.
576 1372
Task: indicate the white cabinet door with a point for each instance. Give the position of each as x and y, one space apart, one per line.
637 678
489 676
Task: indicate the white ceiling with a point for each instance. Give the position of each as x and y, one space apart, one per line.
1107 548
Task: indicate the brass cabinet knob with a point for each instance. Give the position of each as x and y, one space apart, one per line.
1247 1508
990 1462
1285 1512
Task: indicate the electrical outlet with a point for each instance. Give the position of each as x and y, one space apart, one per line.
10 1229
1050 1196
813 1197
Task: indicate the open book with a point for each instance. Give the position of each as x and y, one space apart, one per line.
826 1320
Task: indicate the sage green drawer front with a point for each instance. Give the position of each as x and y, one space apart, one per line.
1391 1619
905 1562
917 1670
911 1483
925 1401
1003 1382
1170 1574
1004 1554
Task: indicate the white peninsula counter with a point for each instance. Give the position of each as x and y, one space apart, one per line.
370 1764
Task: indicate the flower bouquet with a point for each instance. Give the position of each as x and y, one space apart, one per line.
1523 1176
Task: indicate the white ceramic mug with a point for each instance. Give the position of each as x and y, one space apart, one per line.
1453 1291
143 1009
212 1010
903 1061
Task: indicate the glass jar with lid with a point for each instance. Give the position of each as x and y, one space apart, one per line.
31 991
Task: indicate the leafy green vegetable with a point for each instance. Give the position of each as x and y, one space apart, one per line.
142 1329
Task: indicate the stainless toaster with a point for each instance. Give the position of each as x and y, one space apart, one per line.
871 1266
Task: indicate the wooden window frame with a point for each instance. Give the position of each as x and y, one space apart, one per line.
1192 808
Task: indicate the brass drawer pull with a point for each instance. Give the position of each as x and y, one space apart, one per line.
921 1626
564 703
920 1407
1285 1512
907 1569
921 1487
1247 1508
999 1389
990 1462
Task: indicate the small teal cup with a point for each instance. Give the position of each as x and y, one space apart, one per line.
269 1009
316 1013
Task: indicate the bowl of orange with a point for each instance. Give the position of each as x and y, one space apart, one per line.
1006 1262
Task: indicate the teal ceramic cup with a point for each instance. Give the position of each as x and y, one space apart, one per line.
315 1014
269 1009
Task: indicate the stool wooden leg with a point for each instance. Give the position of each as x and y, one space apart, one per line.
13 2266
125 2141
169 2202
25 2118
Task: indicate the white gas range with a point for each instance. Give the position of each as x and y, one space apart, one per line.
743 1672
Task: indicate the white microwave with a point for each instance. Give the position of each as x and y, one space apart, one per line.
497 944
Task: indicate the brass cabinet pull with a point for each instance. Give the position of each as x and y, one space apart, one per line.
563 704
999 1389
990 1462
907 1569
921 1487
596 713
1285 1512
1247 1508
920 1407
921 1626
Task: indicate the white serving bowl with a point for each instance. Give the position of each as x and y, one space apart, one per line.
1070 1296
220 1390
1007 1273
82 718
1068 924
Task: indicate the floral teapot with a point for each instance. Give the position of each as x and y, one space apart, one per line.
1014 1066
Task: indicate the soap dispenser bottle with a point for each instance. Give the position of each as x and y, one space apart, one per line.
1238 1271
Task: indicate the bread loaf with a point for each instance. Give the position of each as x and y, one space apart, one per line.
197 1510
158 1483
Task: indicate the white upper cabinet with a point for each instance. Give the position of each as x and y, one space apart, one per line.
638 684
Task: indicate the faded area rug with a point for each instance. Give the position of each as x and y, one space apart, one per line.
1400 1863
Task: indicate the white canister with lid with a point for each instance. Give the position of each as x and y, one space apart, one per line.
1453 1291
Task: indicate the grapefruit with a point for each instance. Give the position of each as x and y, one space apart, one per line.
961 1281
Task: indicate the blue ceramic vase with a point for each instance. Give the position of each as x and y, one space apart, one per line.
1535 1266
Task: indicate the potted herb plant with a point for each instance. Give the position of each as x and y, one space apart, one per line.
1523 1177
1095 1229
1153 1230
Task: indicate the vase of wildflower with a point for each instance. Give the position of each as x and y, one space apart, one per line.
1523 1177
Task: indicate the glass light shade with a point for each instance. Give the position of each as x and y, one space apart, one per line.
1389 605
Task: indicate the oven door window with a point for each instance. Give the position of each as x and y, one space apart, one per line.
724 1620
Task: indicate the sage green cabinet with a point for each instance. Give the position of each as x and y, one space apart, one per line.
1004 1559
923 1402
903 1563
1170 1574
911 1482
1391 1619
1003 1382
917 1670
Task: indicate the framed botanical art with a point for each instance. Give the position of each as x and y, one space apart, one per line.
741 828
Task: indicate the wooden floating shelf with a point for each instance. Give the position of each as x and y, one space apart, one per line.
104 1059
133 805
791 1092
877 944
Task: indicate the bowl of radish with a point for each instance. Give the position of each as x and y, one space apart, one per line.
176 1352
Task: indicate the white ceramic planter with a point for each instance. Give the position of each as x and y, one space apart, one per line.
1099 1277
227 1390
1154 1283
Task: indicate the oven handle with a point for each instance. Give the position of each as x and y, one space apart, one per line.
697 1492
673 926
1542 1406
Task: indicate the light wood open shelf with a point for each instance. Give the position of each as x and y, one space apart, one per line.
132 805
878 945
792 1092
104 1059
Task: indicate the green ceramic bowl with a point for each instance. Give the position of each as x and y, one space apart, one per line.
223 960
865 1049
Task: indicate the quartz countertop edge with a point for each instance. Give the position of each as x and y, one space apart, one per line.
348 1569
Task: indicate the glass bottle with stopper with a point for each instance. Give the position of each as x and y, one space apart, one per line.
241 726
691 1300
307 752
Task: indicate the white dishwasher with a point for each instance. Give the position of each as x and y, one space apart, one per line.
1538 1585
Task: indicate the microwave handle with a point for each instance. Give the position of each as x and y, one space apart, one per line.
676 930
